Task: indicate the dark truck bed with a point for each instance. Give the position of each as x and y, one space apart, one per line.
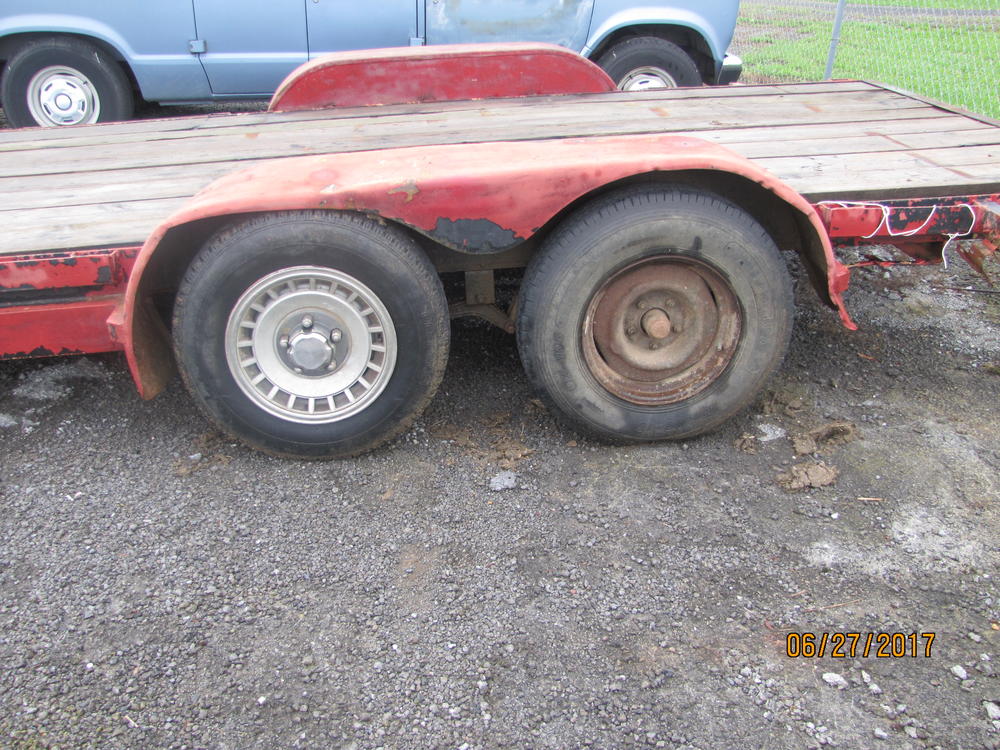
110 185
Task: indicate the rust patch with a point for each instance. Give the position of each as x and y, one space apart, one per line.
473 235
661 330
975 254
41 351
409 188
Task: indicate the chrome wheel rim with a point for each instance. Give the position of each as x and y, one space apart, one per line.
59 95
310 345
646 79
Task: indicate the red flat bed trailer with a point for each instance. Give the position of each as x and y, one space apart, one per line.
289 261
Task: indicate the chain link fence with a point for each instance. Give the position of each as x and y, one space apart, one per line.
947 50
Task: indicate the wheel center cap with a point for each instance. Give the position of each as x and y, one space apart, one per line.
310 351
656 323
63 102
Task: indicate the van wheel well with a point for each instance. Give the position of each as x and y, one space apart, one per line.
687 39
10 45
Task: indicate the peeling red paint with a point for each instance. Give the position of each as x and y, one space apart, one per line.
59 303
921 228
78 327
915 220
88 268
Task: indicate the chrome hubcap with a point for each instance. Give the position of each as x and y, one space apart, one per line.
310 344
58 95
648 78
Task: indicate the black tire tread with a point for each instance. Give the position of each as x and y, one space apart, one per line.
419 266
650 47
117 110
561 249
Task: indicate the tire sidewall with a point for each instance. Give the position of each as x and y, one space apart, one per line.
758 281
420 321
110 85
650 52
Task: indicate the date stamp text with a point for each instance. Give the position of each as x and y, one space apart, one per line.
846 645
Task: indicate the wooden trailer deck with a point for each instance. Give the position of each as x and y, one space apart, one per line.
110 185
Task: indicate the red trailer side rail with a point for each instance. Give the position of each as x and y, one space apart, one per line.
70 298
60 303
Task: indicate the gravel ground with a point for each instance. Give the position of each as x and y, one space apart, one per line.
492 579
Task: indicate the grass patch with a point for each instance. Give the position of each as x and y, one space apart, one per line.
957 63
977 5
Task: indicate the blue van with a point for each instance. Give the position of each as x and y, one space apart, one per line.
68 62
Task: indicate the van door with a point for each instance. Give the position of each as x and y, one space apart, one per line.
565 22
337 25
249 47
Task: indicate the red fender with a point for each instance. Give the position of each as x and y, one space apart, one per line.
473 198
446 72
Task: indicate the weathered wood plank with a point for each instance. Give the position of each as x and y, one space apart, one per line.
884 174
488 125
95 225
89 134
88 187
583 110
960 157
921 182
114 186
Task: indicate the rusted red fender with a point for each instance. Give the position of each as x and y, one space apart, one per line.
473 198
444 72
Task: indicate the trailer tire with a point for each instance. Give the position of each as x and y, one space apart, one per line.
654 313
312 335
642 63
63 81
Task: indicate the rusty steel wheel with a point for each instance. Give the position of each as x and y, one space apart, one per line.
661 330
655 312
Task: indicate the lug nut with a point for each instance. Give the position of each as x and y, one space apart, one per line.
641 304
630 331
283 342
336 335
307 321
